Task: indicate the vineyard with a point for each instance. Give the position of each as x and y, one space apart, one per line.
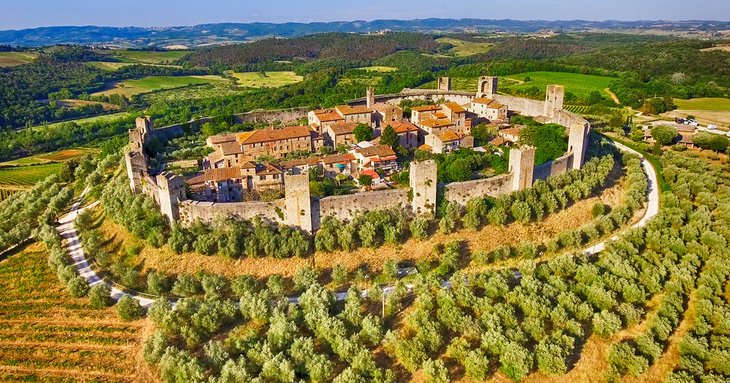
47 336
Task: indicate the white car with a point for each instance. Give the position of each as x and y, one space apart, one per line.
711 127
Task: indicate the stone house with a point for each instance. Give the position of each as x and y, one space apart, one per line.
376 157
340 133
489 109
322 118
386 114
407 133
356 114
277 142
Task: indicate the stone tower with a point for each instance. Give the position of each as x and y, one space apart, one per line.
521 165
136 169
554 100
487 87
577 143
297 201
444 84
424 184
370 97
171 192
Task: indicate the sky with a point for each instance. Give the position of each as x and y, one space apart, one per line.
19 14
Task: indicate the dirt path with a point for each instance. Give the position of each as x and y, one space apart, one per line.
613 96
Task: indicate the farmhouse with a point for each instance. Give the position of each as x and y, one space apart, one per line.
489 109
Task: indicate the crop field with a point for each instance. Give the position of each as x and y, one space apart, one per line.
73 103
719 104
147 57
463 48
47 336
11 59
130 88
87 120
381 69
109 66
580 85
266 80
26 176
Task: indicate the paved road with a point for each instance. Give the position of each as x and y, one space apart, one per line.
73 245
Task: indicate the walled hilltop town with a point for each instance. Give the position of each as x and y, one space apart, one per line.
234 170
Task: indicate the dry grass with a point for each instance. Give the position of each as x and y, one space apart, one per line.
47 336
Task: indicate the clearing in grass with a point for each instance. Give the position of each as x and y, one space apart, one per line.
11 59
580 85
130 88
265 79
461 48
707 103
48 336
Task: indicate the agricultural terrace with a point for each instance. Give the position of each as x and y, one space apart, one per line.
11 59
265 79
23 173
130 88
461 48
48 336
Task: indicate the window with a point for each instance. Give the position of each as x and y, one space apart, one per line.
262 178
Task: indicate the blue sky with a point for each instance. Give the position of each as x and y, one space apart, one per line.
16 14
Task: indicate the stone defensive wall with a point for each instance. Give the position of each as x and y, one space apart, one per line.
191 211
299 209
462 192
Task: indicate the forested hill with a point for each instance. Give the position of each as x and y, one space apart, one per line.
238 32
324 46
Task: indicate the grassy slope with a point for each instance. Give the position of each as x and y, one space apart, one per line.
10 59
271 80
24 172
147 57
579 84
722 104
465 48
149 84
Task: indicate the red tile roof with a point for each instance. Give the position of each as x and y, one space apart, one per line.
454 107
338 159
327 115
436 123
231 148
490 103
342 128
426 108
376 151
216 175
270 135
403 126
448 136
347 109
221 138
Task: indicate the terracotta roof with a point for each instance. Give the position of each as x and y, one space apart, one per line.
248 165
440 115
385 108
490 103
338 158
230 148
454 107
216 175
269 135
370 173
268 169
686 138
448 136
542 119
682 128
436 123
347 109
340 128
221 138
511 132
327 115
497 141
379 151
403 126
215 156
426 108
425 147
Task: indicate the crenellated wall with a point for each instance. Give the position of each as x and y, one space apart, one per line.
207 211
301 210
346 207
462 192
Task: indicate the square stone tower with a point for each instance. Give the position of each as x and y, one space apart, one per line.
370 97
297 201
424 185
577 143
136 168
554 96
171 192
522 166
487 87
444 84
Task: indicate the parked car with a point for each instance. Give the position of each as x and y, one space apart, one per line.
711 127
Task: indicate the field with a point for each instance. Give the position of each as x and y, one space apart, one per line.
23 173
381 69
705 110
130 88
72 103
87 120
580 85
463 48
110 66
10 59
146 57
47 336
267 80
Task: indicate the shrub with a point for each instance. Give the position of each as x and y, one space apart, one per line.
419 228
598 209
129 308
100 296
435 371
